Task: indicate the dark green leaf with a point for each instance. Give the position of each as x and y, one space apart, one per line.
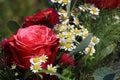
13 26
103 74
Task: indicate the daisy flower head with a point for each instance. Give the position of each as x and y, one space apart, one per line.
76 31
35 68
61 27
90 50
70 35
69 46
38 59
69 26
51 68
62 12
35 60
94 11
83 8
76 21
61 35
43 58
84 35
94 40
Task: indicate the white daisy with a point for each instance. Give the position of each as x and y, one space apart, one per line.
51 68
94 40
83 8
35 68
90 50
94 11
76 21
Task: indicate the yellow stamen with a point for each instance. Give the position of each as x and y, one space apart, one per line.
35 60
35 67
65 1
94 9
68 45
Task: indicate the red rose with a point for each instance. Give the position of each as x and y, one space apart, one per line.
48 17
30 42
108 4
65 59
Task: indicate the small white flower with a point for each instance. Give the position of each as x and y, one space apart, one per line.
38 59
76 21
69 46
94 40
76 31
94 11
90 50
83 8
51 68
35 68
84 35
35 60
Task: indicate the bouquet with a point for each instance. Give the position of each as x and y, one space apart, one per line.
53 44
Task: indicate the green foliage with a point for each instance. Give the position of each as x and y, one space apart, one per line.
108 73
16 10
13 26
104 74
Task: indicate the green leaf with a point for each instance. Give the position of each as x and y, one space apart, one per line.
82 45
106 51
13 26
104 74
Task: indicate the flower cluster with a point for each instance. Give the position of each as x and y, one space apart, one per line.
70 31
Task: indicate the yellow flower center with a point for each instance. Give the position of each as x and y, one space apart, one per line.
68 45
94 9
51 69
63 11
94 40
35 67
65 1
77 31
84 7
64 18
76 21
60 28
86 35
36 59
69 34
90 50
61 35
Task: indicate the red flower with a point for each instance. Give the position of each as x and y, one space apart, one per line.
30 42
65 59
48 17
108 4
